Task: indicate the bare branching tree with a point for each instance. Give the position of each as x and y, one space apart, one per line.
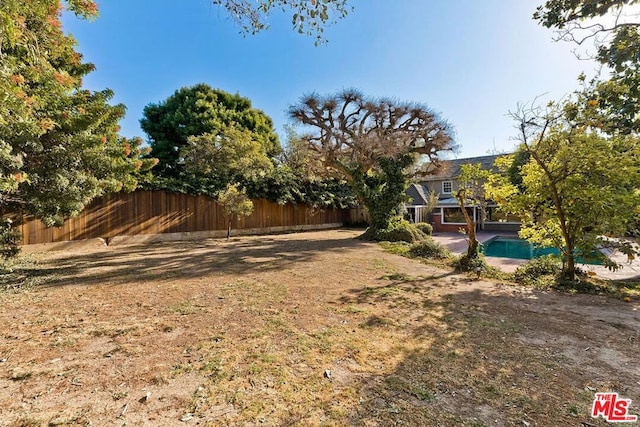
349 129
372 143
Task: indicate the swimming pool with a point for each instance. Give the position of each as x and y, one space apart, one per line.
512 247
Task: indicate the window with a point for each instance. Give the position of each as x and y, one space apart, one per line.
454 215
410 215
447 187
494 215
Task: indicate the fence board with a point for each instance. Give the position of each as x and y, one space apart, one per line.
156 212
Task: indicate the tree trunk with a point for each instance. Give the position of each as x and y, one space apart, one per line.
569 263
568 258
472 250
229 229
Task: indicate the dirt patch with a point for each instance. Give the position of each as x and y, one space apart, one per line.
300 329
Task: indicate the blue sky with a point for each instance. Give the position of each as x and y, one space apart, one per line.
471 61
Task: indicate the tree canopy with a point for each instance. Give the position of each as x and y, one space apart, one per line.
578 185
235 203
293 179
372 143
471 189
59 143
213 162
612 26
308 16
197 111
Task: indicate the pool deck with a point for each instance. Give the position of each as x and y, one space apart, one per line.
457 243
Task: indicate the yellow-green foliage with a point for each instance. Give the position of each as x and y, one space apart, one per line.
399 230
577 186
429 248
235 201
425 227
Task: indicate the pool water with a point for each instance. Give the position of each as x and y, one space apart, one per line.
505 247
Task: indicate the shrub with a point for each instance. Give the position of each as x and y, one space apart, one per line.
399 230
466 263
9 239
425 227
478 265
429 248
540 271
396 248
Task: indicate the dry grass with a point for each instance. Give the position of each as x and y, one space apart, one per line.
306 329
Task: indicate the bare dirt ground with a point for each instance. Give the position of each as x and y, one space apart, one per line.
301 329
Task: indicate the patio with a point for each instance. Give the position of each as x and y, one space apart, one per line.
457 243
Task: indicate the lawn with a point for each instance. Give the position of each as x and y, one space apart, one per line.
300 329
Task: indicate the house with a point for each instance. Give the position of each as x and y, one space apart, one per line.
447 215
417 207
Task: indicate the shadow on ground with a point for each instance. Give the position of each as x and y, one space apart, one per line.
168 261
505 358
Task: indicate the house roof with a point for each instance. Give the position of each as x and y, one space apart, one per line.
449 201
451 168
419 195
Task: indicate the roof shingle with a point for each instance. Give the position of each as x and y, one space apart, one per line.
451 168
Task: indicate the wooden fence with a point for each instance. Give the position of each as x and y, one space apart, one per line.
358 216
158 212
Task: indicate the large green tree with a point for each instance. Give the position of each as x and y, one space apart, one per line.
197 111
373 144
610 101
578 185
214 161
612 27
59 143
471 192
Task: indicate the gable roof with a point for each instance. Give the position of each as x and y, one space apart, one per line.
419 195
451 168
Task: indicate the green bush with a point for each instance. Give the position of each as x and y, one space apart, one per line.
540 271
478 265
9 239
399 230
429 248
425 227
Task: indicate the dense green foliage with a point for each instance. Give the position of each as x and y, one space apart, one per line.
59 143
425 227
212 162
398 230
478 266
9 240
429 248
541 271
382 191
578 185
283 185
207 139
587 183
613 28
235 202
204 113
